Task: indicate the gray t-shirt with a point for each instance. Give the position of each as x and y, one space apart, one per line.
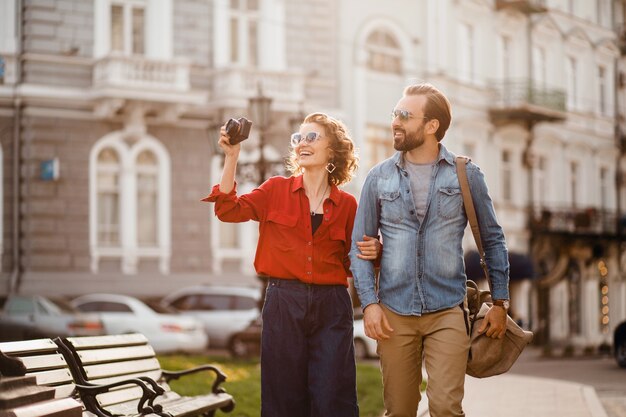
420 176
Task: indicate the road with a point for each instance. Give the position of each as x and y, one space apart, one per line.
602 373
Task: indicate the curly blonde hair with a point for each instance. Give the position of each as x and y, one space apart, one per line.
342 151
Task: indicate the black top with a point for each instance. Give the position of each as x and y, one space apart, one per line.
316 221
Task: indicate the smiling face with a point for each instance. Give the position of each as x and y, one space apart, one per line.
315 154
409 134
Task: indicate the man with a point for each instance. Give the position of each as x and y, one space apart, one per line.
413 199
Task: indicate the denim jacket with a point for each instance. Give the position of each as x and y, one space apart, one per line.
422 268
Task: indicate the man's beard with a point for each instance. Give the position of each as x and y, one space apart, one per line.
411 140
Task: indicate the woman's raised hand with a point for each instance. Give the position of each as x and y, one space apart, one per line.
224 143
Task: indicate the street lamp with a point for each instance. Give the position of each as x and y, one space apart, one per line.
260 108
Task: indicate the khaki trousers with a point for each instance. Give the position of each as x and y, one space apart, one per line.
442 341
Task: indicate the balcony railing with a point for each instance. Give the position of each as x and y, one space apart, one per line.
524 99
239 83
141 73
524 6
589 221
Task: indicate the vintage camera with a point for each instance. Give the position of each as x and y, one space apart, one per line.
238 129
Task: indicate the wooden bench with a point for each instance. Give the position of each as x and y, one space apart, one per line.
42 362
109 359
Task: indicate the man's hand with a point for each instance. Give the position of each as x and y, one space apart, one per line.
369 248
376 325
494 323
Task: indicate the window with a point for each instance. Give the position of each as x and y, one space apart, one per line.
603 13
573 169
104 306
108 198
507 177
244 303
505 57
244 17
574 300
602 88
541 181
128 27
604 188
572 83
539 67
466 47
147 199
210 302
229 235
383 53
2 70
378 143
20 305
129 202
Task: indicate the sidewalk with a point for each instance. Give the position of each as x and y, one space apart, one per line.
523 396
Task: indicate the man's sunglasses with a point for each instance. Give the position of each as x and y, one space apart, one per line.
403 115
298 138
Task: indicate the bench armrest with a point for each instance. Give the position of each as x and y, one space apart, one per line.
88 395
219 376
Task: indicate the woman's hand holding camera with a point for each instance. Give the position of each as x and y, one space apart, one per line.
224 143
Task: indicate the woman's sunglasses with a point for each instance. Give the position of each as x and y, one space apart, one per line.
298 138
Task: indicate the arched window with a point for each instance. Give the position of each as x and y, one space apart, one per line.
383 52
108 207
147 199
130 202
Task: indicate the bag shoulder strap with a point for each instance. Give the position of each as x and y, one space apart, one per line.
468 202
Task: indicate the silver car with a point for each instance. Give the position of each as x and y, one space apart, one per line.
35 316
224 311
166 331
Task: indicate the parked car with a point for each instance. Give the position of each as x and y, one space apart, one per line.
224 311
24 317
247 342
166 330
619 344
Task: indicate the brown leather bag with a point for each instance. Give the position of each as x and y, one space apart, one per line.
487 356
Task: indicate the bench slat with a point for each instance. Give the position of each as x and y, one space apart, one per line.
63 390
66 407
55 376
94 356
119 396
27 346
193 406
107 341
41 362
154 375
111 369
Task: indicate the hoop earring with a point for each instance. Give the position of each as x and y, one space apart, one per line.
330 167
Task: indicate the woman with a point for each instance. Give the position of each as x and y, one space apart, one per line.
305 227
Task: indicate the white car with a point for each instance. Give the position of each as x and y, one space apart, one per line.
364 347
224 311
166 331
33 316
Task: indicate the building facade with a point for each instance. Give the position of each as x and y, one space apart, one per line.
109 111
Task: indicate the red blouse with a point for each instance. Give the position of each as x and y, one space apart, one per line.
286 246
